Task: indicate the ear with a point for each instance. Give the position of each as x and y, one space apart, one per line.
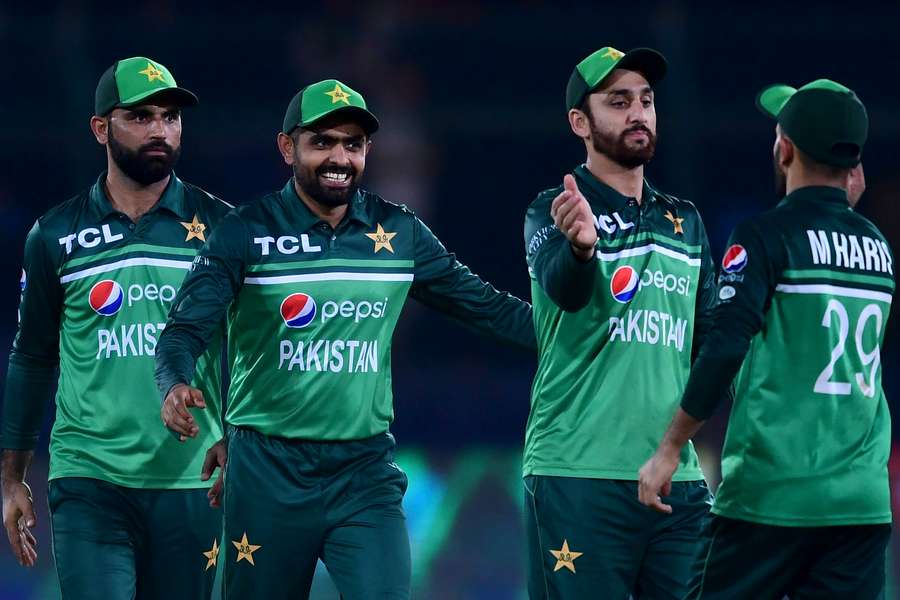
100 129
580 124
286 147
788 154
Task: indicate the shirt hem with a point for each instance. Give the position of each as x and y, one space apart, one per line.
135 482
778 521
622 475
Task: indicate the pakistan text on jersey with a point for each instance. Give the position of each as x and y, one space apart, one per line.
335 356
842 250
648 327
137 339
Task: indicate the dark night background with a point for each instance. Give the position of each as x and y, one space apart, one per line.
471 102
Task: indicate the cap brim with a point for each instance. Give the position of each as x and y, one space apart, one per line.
366 119
650 63
177 96
772 99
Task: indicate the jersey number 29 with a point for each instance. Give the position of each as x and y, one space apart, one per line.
871 358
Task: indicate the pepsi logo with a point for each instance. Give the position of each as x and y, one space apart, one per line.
624 284
106 297
735 259
22 281
298 310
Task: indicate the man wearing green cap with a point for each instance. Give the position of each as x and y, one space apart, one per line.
622 285
313 279
128 509
806 289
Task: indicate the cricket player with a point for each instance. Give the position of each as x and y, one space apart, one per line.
804 505
622 285
129 512
313 279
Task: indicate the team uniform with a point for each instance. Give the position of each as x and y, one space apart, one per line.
806 290
615 338
311 313
129 514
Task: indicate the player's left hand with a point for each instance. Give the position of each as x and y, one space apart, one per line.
216 456
655 480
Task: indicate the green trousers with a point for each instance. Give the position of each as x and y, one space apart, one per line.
112 542
591 538
289 503
742 560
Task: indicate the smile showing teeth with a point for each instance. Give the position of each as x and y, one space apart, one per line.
336 177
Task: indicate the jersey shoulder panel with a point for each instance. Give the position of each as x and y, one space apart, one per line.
200 198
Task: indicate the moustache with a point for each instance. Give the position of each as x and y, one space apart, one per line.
637 128
334 169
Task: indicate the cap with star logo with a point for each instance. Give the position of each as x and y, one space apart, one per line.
134 81
324 98
590 72
823 118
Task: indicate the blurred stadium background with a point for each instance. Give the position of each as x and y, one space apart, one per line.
470 96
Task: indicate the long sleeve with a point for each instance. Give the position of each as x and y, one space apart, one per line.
215 278
444 284
34 358
744 295
566 280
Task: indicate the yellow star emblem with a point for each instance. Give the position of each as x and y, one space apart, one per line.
195 230
152 72
212 555
245 550
677 221
382 239
338 95
613 54
565 557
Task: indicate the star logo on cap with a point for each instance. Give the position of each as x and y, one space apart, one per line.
245 550
338 95
195 229
565 557
152 72
676 221
212 555
382 239
613 54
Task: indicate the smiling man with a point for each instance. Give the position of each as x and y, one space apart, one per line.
314 278
622 286
129 512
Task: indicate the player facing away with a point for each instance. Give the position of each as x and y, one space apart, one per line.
128 510
622 285
806 289
314 278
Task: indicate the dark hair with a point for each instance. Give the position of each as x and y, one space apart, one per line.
811 164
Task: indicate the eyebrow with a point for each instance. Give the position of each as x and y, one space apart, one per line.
333 139
627 92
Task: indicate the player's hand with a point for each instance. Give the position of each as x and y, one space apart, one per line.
572 215
175 412
18 519
216 456
655 480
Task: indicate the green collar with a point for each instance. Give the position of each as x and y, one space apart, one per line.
172 199
818 193
609 196
304 219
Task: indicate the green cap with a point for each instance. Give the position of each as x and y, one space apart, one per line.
590 72
825 119
324 98
132 81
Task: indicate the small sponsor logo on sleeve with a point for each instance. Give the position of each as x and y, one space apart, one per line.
727 292
735 259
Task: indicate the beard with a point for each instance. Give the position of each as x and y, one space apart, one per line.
308 181
138 165
616 149
780 177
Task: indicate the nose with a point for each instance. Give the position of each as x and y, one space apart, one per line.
157 128
637 113
339 155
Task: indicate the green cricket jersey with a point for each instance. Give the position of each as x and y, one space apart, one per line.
806 291
311 312
615 334
96 289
